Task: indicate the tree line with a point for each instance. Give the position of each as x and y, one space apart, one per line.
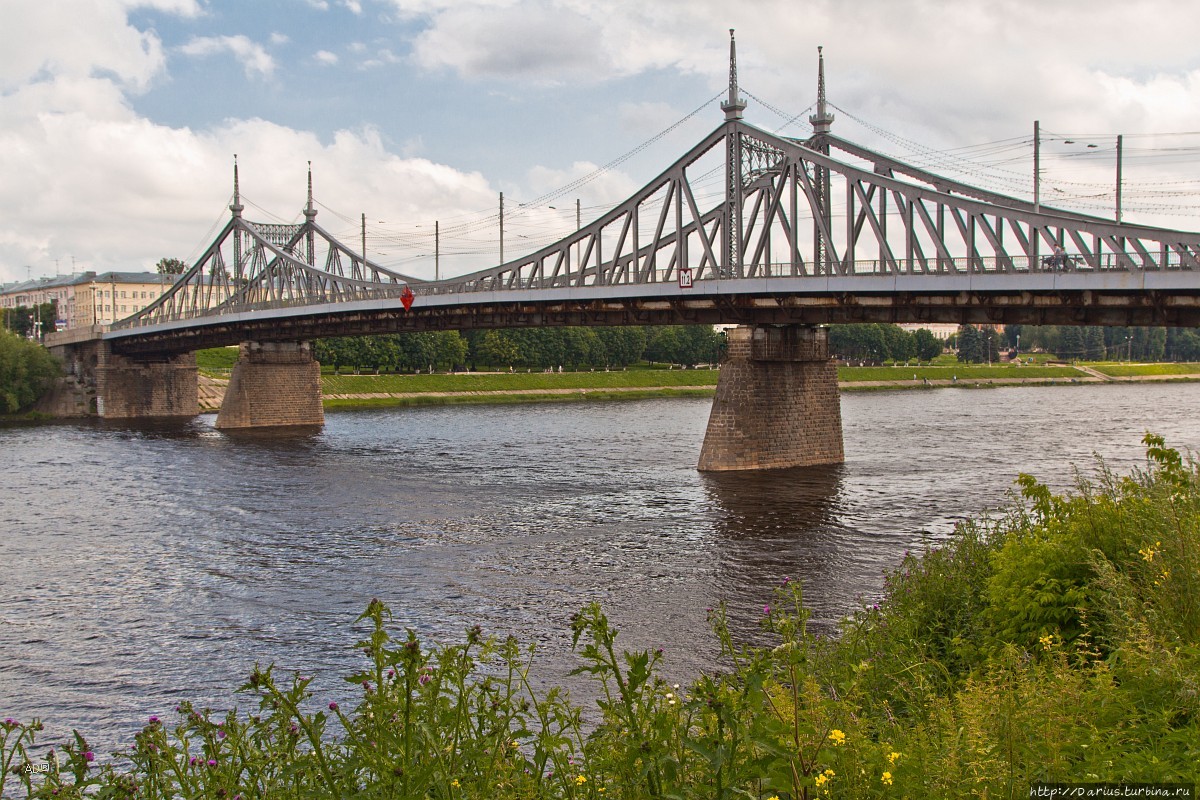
1095 343
876 342
20 319
571 348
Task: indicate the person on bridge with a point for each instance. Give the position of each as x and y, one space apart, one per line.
1059 260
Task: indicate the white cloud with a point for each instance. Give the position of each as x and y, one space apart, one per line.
319 5
184 8
354 6
325 57
381 58
36 43
254 59
279 38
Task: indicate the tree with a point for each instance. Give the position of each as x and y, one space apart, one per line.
1070 342
26 371
928 347
970 345
170 266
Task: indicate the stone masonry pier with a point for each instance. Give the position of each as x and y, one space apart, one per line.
274 384
777 402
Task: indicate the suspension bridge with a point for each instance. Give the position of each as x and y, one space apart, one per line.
806 232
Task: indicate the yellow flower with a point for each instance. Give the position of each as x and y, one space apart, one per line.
822 780
829 773
454 783
580 780
837 737
773 797
1047 641
892 756
886 778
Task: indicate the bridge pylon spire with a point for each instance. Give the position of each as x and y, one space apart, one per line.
309 211
236 206
735 105
822 119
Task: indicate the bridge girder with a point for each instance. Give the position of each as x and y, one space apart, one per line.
786 216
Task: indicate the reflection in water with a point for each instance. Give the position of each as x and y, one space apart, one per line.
773 525
148 563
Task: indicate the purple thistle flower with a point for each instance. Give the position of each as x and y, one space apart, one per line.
767 610
89 756
424 678
786 580
212 762
333 706
220 733
153 719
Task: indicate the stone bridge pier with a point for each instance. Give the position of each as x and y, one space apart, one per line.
128 387
274 384
777 402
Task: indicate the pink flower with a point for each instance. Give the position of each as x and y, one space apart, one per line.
153 719
767 610
89 756
212 762
333 706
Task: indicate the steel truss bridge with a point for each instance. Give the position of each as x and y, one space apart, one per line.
804 232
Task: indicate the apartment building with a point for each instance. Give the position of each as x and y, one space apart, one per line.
90 298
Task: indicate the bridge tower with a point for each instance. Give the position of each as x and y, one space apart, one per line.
821 122
777 402
274 384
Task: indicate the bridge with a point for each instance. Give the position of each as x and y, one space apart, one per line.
802 233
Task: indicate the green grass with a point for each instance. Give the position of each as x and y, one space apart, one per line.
514 382
216 359
1128 370
962 371
515 397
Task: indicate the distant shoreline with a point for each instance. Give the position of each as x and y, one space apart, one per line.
212 389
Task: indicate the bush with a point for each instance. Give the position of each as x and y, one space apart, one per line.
27 370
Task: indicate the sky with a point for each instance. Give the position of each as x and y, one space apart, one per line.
120 119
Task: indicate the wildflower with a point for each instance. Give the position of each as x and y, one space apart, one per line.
212 762
886 777
837 737
1150 552
454 783
766 611
892 756
89 756
424 677
669 695
1047 641
333 706
220 733
194 761
773 797
580 780
153 719
786 580
822 779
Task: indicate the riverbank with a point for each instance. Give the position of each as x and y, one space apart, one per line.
998 662
366 391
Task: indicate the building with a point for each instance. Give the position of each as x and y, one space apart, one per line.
940 330
109 296
90 298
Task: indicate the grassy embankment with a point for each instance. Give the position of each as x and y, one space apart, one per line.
1056 642
348 391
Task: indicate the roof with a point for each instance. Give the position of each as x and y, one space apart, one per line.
112 276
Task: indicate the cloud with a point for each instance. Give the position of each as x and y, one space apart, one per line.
354 6
183 8
325 57
279 38
319 5
36 44
254 59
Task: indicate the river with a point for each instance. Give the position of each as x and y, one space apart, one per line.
142 564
